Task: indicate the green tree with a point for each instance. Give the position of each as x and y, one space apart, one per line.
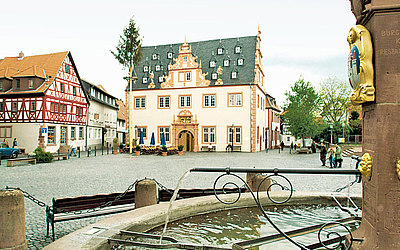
128 51
334 99
300 109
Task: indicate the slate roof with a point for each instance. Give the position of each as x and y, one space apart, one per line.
86 87
205 51
271 103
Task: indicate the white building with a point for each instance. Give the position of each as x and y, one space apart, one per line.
181 92
122 118
101 126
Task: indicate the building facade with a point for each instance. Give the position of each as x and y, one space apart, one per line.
201 94
122 118
42 102
101 126
274 126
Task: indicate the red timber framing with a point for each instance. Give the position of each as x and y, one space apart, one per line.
65 92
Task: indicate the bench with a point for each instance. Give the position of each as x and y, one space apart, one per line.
206 148
73 208
304 151
237 148
60 156
10 162
165 195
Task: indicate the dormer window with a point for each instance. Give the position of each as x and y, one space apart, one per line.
154 56
146 69
1 86
169 55
30 83
160 79
234 74
240 61
226 63
220 51
214 76
144 80
212 64
158 67
18 84
238 50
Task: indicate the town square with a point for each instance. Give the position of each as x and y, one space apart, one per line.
271 125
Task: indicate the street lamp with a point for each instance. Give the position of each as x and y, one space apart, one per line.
331 127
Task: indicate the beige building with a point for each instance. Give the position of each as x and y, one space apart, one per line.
207 94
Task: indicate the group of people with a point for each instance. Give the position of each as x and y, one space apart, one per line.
334 153
14 144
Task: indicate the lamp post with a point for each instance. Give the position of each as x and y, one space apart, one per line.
343 129
130 78
331 127
233 127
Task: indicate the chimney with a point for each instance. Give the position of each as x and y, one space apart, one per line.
21 55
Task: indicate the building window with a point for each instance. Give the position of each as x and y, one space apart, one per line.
1 107
240 61
235 99
212 64
140 102
188 76
226 63
214 76
5 131
163 102
185 101
236 134
143 130
208 134
74 91
185 59
1 85
169 55
234 75
30 83
158 67
238 49
81 133
146 69
67 70
160 79
209 101
181 76
154 57
51 135
144 79
62 87
164 130
72 132
33 106
220 51
14 107
18 84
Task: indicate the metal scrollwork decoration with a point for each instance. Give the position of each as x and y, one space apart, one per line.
360 68
365 166
232 183
340 244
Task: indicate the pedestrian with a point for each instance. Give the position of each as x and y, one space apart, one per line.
331 156
295 146
313 147
291 147
338 156
282 145
6 143
15 143
322 154
73 147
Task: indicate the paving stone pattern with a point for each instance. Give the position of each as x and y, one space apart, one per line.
114 173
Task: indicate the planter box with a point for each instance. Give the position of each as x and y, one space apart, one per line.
137 153
180 152
164 153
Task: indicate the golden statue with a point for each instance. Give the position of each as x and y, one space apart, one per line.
398 168
360 69
365 166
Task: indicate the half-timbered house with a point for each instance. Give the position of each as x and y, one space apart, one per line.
42 102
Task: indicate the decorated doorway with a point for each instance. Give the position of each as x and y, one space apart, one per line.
187 140
185 131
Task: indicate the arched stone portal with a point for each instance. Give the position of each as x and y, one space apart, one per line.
185 131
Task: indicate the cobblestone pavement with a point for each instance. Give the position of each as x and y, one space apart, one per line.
114 173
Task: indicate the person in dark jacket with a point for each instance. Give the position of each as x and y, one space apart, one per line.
322 154
282 145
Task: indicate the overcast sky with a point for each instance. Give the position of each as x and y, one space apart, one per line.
305 37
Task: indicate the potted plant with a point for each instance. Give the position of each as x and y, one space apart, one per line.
164 150
115 145
180 149
137 150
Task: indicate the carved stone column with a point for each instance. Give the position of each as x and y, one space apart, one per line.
380 227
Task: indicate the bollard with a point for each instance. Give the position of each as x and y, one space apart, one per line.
95 151
88 152
145 193
102 146
12 220
254 180
79 152
68 154
107 148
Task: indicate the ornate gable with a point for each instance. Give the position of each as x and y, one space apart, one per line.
185 72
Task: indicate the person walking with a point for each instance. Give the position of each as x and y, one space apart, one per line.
282 145
73 147
15 143
322 154
313 147
331 156
338 156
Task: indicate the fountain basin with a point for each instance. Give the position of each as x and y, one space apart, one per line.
144 219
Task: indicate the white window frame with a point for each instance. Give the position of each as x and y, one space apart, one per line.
238 49
226 63
140 102
214 76
235 99
209 100
220 51
144 80
169 55
188 76
158 67
154 57
209 135
166 131
234 74
185 100
146 69
240 61
164 102
237 134
212 64
161 79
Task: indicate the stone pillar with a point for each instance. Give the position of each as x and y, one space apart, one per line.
12 220
145 193
254 180
380 227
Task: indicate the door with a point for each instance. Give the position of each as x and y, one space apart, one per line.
187 140
63 136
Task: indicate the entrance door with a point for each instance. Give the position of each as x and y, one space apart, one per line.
187 140
63 136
